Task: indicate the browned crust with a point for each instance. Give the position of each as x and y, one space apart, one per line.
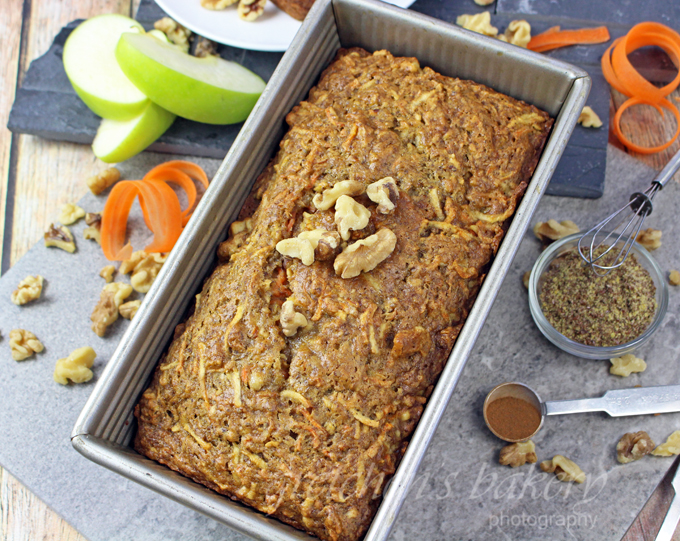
309 428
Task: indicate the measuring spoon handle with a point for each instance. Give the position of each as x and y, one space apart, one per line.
623 402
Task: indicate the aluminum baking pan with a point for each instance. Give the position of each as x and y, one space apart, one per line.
106 425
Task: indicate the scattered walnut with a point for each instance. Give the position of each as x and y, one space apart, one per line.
633 446
94 222
518 454
554 230
365 255
649 238
385 193
484 2
75 367
105 179
670 447
625 365
565 469
217 4
249 10
144 269
517 33
350 215
303 249
325 243
70 214
107 273
106 311
674 278
176 33
589 119
480 23
129 309
325 200
525 279
60 237
291 320
29 289
23 344
203 47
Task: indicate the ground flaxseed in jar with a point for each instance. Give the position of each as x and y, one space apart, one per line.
598 310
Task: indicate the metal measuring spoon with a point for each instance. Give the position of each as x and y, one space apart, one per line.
617 403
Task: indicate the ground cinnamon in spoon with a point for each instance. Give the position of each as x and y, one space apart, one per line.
513 418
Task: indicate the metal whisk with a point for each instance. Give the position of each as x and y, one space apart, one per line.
627 227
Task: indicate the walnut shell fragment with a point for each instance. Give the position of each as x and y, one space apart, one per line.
564 469
633 446
518 454
366 254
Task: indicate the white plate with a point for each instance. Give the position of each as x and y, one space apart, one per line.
273 31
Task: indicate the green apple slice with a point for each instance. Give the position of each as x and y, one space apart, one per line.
210 90
91 65
118 140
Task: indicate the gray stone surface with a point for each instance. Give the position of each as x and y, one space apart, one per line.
460 492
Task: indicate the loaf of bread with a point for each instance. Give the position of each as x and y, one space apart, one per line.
297 381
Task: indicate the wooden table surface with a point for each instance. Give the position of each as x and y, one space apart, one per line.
38 176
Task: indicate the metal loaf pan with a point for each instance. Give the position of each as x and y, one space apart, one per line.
105 428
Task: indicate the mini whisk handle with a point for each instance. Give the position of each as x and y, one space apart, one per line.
667 172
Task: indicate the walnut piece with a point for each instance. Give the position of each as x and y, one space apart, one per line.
129 309
102 181
107 273
176 33
517 33
350 215
326 244
217 4
366 254
23 344
144 269
303 249
106 311
203 47
480 23
385 193
291 320
325 200
238 231
649 238
525 279
625 365
670 447
565 469
94 229
249 10
484 2
70 214
588 118
75 367
29 289
554 230
674 278
633 446
60 237
518 454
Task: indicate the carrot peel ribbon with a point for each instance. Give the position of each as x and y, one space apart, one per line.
621 75
554 38
160 207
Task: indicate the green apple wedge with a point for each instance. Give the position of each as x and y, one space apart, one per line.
91 66
210 90
118 140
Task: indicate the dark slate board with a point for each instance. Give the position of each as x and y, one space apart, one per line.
47 106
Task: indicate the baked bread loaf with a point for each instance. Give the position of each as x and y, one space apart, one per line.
293 389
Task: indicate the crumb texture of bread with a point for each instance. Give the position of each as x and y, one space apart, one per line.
309 428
